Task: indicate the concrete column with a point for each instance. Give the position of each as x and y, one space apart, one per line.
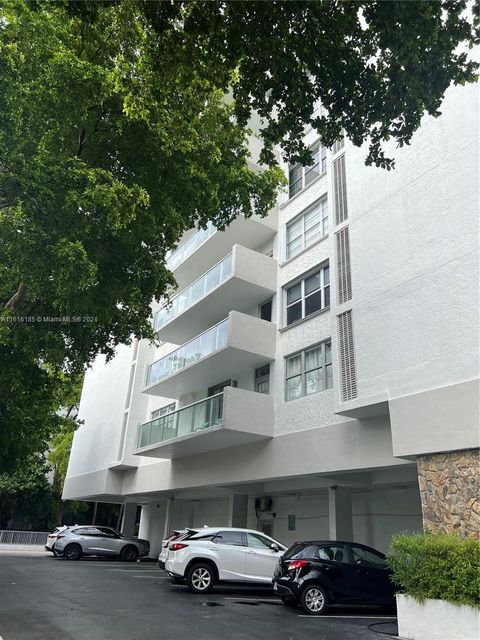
152 522
129 518
144 522
340 519
168 518
238 510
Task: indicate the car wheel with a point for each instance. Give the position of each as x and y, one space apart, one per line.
72 552
314 600
57 554
129 554
201 578
288 602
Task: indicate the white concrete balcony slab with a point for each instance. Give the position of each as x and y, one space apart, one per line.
241 280
230 418
208 246
237 344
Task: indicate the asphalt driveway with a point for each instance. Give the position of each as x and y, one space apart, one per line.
46 598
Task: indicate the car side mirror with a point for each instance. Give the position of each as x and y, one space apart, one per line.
274 547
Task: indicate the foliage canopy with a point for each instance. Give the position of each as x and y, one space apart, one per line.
116 136
439 566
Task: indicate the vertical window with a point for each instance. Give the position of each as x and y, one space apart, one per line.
307 228
266 311
308 295
262 379
309 371
300 177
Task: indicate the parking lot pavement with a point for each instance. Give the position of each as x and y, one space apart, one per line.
47 598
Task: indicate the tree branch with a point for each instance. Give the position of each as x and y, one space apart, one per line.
17 299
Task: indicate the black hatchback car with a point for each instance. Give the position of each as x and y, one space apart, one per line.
319 573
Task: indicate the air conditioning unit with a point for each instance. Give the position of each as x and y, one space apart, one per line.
264 503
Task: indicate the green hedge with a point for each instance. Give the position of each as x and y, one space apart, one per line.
438 566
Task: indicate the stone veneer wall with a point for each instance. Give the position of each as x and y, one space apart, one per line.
450 491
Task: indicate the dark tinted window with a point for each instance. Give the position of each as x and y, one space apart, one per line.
201 536
368 557
234 538
334 552
266 311
300 550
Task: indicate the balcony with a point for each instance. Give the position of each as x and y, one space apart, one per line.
240 281
237 344
209 245
227 419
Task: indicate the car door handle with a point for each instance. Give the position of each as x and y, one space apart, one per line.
251 553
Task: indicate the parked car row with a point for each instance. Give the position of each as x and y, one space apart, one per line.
313 574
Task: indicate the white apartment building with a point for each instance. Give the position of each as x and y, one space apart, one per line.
309 358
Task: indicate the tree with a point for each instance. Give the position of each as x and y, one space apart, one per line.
116 136
61 443
26 498
376 67
104 162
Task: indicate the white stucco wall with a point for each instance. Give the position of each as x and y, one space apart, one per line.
97 441
414 252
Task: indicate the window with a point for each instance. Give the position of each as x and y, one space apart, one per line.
309 371
258 542
163 411
308 296
234 538
262 379
108 533
368 558
218 388
92 531
266 311
300 177
332 552
299 551
307 228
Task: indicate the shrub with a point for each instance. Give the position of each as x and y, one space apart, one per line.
440 566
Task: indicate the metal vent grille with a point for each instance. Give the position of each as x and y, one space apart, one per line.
340 189
348 373
344 273
337 145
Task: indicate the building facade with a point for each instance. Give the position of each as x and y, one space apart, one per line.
313 365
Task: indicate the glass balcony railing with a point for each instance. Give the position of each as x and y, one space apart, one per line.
189 296
190 245
203 345
195 417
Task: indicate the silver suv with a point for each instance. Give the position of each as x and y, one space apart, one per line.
80 541
223 554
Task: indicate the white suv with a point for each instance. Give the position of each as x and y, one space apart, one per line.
223 554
